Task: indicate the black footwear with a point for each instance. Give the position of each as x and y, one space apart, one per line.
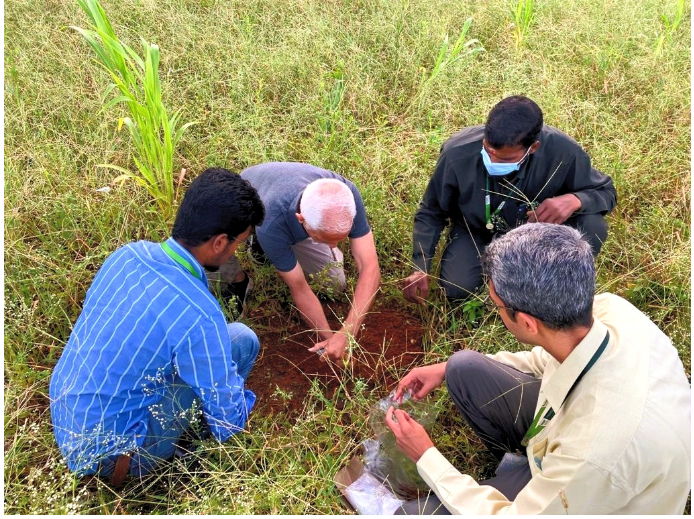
236 293
257 254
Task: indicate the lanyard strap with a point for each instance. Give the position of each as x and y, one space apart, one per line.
180 260
487 207
541 418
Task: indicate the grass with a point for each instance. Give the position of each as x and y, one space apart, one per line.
447 56
671 24
334 84
523 14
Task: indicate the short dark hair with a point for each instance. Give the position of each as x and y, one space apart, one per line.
217 202
516 120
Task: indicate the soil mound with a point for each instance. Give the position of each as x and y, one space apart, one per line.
390 342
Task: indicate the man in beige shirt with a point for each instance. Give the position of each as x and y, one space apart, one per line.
601 407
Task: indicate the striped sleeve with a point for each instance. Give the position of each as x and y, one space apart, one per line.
204 361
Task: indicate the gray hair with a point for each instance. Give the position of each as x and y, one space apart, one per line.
545 270
328 205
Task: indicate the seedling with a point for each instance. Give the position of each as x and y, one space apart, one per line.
670 26
154 134
448 55
523 13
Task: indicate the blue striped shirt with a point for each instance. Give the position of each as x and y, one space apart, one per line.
145 320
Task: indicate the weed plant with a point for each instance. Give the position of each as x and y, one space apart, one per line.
523 14
339 85
671 24
448 55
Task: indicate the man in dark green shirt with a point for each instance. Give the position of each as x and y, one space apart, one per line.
494 177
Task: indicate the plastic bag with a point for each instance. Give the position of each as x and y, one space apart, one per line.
383 459
369 496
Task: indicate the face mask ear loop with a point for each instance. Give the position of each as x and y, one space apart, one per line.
502 168
523 159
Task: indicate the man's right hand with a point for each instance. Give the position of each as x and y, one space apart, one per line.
421 381
415 287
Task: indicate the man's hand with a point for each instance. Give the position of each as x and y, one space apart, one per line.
410 436
420 381
334 347
555 210
415 287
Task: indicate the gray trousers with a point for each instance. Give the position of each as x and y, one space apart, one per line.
498 402
461 270
313 257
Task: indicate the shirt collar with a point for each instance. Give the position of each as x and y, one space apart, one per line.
561 381
185 253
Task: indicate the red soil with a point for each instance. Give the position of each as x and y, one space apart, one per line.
390 342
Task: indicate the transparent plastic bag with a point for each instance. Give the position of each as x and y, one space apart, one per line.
383 459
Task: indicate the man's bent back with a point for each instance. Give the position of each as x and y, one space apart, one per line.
150 340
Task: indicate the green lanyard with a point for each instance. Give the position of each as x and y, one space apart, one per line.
180 260
487 208
541 418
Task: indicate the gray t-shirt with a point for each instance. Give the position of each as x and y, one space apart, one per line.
280 185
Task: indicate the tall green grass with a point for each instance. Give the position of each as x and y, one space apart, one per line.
153 133
670 24
448 54
332 83
523 15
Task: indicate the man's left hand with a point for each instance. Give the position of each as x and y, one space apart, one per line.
410 437
334 347
557 209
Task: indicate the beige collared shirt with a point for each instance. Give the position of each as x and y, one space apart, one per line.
619 444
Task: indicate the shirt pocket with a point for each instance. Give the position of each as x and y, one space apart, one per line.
539 448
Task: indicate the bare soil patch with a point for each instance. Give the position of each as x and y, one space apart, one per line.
390 342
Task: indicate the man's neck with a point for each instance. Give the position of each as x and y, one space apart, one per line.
560 343
194 251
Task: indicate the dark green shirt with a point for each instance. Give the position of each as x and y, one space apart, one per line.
455 194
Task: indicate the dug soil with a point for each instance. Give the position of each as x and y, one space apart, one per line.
389 343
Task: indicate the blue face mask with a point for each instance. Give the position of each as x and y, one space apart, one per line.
499 169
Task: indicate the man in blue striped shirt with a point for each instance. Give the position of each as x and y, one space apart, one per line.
152 348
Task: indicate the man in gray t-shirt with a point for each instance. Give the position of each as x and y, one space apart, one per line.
309 210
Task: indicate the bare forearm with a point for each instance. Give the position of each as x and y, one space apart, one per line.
311 311
364 294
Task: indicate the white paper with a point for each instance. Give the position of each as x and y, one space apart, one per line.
369 496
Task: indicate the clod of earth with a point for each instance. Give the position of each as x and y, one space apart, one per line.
389 343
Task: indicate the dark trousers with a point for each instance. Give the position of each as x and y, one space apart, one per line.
461 270
498 402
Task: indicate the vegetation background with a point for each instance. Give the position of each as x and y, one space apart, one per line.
370 89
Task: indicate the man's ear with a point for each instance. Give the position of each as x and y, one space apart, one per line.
300 217
219 242
528 322
535 146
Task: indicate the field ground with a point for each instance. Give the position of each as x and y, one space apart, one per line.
351 86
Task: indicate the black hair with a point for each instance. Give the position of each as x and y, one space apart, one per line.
516 120
217 202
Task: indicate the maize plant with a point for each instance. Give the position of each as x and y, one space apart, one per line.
135 80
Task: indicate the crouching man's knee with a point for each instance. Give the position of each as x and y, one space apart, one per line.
458 292
593 227
463 370
245 347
